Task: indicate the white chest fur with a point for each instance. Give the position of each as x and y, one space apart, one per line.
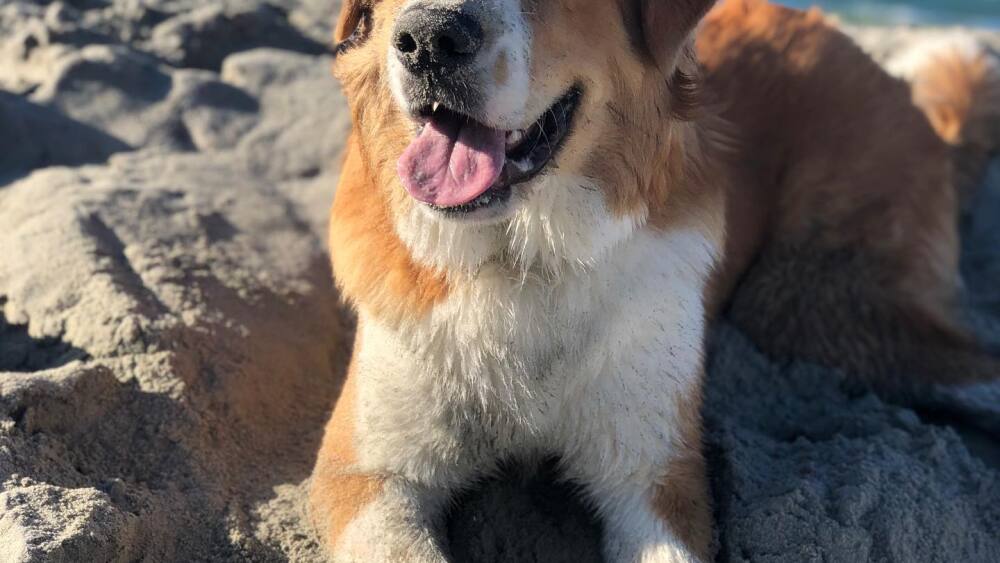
587 365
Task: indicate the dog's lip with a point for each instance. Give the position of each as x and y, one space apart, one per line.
529 150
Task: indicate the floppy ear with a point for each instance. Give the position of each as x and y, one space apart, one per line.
665 26
350 18
660 31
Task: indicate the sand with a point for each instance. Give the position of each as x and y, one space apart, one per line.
171 343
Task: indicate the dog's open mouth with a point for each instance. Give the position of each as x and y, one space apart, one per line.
458 165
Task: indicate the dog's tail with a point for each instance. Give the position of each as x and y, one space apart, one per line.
955 80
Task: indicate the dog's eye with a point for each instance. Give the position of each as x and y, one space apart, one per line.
359 24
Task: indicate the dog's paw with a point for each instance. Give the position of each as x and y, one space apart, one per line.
654 554
384 534
386 550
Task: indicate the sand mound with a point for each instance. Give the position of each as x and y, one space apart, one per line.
170 342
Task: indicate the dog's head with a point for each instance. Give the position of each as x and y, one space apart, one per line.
520 130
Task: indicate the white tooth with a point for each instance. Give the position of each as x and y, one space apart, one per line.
514 137
435 106
524 164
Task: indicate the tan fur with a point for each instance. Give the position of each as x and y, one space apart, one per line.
361 231
339 493
830 191
350 14
947 90
960 93
361 235
629 139
859 206
681 498
619 157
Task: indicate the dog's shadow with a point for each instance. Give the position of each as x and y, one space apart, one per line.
525 517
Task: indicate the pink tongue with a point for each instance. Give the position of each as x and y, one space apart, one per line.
452 162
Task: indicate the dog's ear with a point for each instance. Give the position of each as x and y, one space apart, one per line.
660 31
350 18
661 27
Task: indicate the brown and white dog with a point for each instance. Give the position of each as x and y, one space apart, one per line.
544 200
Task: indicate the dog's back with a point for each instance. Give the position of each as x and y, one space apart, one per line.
842 221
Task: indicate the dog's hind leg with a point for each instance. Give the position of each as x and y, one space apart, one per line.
845 309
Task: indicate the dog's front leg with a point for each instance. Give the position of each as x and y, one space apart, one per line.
375 519
644 471
668 522
369 512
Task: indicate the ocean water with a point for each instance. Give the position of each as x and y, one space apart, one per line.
980 13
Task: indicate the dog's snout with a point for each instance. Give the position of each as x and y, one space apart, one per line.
435 40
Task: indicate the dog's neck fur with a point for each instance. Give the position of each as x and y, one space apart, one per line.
519 353
527 290
562 229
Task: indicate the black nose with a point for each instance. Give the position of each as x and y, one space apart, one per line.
435 40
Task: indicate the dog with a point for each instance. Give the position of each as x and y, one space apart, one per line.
544 203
